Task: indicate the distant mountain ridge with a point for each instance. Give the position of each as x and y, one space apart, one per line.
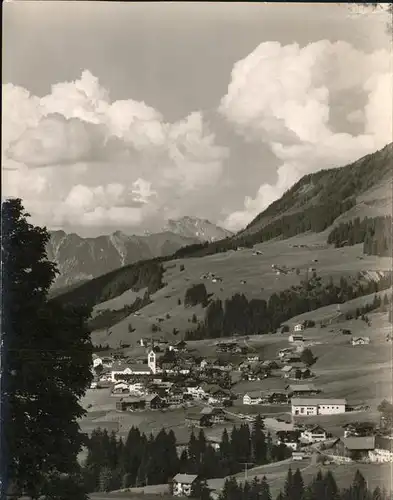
80 259
203 229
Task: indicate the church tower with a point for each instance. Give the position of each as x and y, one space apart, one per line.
151 361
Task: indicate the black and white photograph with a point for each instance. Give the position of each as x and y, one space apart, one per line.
196 251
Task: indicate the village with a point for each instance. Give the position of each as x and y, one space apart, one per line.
169 376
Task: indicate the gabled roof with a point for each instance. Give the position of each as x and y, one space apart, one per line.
151 397
286 368
118 366
185 478
253 394
302 388
359 443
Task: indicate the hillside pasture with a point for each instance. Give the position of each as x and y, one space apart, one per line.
261 281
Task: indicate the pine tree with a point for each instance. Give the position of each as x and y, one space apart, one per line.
297 488
288 486
359 487
258 441
331 488
265 490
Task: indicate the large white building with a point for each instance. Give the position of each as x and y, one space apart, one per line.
306 407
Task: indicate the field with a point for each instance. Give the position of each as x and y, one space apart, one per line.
233 267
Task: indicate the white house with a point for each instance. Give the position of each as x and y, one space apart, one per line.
314 434
136 369
97 361
296 337
383 450
252 398
306 407
298 328
197 392
360 341
183 484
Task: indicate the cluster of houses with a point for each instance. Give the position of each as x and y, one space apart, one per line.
211 276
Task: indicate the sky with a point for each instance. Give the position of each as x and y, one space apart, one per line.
119 116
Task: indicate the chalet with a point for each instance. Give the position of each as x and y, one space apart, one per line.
153 402
313 434
353 448
121 388
136 387
252 398
107 362
383 451
314 406
217 395
296 337
183 484
97 361
286 371
359 429
215 415
299 455
277 397
130 404
302 390
360 340
289 438
301 373
197 392
253 358
270 364
298 328
175 395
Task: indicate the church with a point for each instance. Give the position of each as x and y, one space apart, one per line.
121 368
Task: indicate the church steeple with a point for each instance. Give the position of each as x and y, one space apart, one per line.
151 361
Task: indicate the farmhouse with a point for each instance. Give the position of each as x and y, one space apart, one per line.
314 406
302 390
153 402
289 438
353 448
277 397
183 484
360 340
252 398
296 337
313 434
130 404
215 415
298 328
120 388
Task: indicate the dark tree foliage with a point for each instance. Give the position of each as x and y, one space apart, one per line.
308 357
374 232
196 294
238 315
109 317
46 357
144 274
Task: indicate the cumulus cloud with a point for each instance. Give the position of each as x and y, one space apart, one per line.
281 95
115 162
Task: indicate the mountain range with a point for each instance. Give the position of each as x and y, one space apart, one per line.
80 259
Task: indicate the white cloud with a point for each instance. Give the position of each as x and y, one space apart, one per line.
113 159
281 95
